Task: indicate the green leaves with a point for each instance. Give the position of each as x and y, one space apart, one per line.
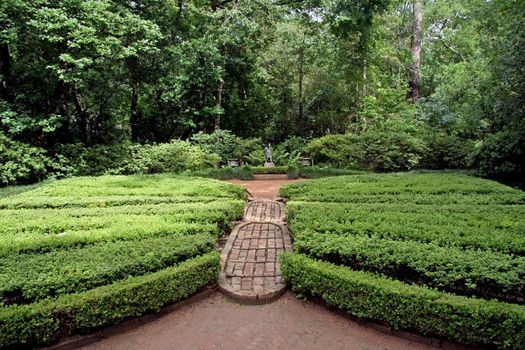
92 251
45 321
90 33
455 233
471 321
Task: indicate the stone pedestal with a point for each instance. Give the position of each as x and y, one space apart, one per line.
269 165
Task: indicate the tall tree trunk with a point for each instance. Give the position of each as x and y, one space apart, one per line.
82 115
215 4
218 105
417 32
301 81
134 115
133 82
365 78
7 76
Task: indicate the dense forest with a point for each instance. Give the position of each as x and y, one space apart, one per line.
117 86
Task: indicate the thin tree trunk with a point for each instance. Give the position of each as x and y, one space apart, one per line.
134 116
218 105
7 81
417 31
301 81
132 64
215 4
82 115
365 78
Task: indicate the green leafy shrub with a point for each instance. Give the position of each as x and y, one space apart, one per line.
334 150
94 160
45 321
32 277
466 320
446 152
372 150
21 163
468 272
444 230
389 151
175 157
501 153
221 142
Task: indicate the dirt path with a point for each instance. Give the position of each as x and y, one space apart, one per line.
265 185
288 323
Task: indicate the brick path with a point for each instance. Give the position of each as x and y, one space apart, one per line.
250 266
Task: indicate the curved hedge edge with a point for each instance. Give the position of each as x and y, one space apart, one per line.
46 321
457 318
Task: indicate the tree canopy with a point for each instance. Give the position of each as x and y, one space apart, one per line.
108 72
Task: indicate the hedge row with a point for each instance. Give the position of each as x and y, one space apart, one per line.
26 278
30 242
42 202
46 321
415 188
137 185
56 224
314 172
19 218
471 272
403 306
493 227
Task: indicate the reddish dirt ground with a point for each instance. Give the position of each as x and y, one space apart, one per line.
265 185
217 323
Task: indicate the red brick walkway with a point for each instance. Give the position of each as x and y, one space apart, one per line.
250 266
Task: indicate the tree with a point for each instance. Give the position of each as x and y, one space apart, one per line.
417 34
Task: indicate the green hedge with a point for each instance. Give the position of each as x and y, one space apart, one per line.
314 172
472 272
403 306
486 227
225 173
25 243
31 277
45 321
267 170
417 188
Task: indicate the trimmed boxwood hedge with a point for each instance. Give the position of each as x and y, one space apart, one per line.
403 306
33 277
45 321
486 274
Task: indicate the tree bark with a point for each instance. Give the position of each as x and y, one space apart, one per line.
133 108
7 76
82 115
218 105
417 32
215 4
301 81
134 116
